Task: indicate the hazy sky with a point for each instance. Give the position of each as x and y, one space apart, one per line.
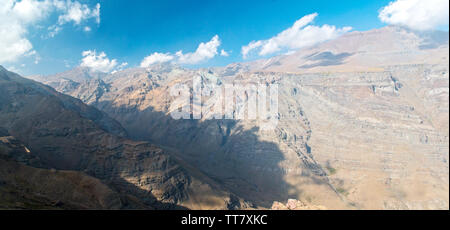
49 36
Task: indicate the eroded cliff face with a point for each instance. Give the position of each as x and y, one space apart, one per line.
65 134
375 134
362 122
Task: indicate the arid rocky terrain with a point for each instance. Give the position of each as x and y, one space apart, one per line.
362 124
57 152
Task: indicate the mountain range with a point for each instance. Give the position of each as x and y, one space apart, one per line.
362 124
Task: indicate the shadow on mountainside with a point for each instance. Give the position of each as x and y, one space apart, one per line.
325 59
62 132
224 150
62 189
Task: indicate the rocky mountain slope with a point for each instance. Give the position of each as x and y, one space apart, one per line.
65 134
231 152
362 122
25 187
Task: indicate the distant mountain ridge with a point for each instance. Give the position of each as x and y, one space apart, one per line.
359 51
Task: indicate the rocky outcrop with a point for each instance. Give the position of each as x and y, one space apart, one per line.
295 205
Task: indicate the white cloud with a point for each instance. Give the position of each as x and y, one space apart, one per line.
53 30
224 53
205 51
99 62
416 14
156 58
76 12
17 16
123 65
251 46
30 10
14 17
300 35
120 67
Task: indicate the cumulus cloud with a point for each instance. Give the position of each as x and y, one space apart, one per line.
251 46
122 66
224 53
300 35
13 20
416 14
53 30
76 12
204 51
156 58
99 62
17 16
30 10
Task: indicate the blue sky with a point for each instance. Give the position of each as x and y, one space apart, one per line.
129 31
